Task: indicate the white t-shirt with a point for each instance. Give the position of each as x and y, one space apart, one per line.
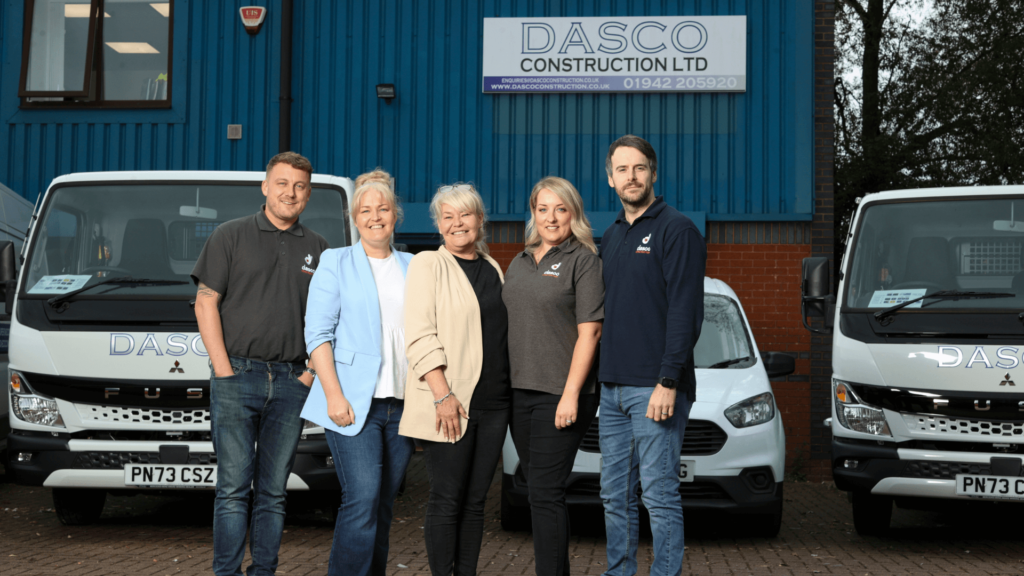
387 274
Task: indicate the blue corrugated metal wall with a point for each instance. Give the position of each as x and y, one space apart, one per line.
739 157
733 156
220 76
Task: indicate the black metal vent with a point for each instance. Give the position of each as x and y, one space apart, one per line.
117 460
702 438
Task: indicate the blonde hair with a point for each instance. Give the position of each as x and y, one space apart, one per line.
380 181
462 197
578 224
378 174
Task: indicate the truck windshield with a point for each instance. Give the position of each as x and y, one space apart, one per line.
723 336
905 250
152 231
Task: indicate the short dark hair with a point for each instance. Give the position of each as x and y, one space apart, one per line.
643 146
293 159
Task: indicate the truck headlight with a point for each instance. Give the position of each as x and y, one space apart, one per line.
32 408
752 411
854 414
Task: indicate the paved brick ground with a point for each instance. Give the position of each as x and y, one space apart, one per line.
166 535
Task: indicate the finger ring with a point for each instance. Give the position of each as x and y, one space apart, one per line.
664 413
568 421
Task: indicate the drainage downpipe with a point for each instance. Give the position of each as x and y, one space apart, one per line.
285 128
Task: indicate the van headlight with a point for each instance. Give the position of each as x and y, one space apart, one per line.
32 408
752 411
854 414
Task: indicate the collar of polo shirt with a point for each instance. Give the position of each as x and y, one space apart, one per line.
266 226
652 211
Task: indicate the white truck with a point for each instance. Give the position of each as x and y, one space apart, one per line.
109 380
925 405
15 213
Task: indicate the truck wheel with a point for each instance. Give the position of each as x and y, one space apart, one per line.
513 518
78 506
871 513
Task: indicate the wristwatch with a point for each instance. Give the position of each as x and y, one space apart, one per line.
667 382
310 370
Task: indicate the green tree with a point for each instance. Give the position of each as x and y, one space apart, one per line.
928 94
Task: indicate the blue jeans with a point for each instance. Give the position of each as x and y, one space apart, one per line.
370 468
637 449
255 426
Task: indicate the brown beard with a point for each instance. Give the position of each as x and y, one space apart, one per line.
640 201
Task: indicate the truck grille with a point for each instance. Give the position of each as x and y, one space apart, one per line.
702 438
127 415
117 460
962 426
943 470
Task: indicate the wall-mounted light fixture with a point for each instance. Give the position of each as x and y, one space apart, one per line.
386 91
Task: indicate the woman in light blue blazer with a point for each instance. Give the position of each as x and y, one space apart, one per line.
355 338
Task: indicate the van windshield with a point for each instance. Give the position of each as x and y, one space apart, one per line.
151 231
723 336
905 250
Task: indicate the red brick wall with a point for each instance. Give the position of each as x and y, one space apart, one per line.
766 277
504 253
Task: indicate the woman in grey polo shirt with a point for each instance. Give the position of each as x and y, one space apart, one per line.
554 292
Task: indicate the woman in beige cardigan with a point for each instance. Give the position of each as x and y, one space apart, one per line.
458 393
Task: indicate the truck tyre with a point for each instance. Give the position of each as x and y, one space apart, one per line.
78 506
871 513
513 518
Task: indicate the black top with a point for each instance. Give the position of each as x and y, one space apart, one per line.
546 303
263 275
654 298
493 391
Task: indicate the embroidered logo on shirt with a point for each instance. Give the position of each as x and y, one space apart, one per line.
552 272
643 248
307 269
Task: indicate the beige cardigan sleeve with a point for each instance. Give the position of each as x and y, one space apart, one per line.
423 348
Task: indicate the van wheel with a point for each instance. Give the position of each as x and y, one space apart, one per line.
767 525
871 513
78 506
513 518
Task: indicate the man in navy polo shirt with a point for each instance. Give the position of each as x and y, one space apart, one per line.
654 259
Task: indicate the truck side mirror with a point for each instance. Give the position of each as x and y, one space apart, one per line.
7 271
8 274
778 364
815 299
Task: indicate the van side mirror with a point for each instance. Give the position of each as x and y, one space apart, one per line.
778 364
815 300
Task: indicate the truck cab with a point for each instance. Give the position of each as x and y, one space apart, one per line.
927 350
109 380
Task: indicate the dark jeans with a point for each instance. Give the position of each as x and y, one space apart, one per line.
255 426
546 455
370 467
460 475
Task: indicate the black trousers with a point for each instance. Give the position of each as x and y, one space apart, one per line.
460 475
546 455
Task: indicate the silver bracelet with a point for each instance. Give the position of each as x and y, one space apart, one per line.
443 398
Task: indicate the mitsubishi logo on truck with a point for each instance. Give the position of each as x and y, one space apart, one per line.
1006 381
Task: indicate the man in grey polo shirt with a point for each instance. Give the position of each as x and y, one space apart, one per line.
253 277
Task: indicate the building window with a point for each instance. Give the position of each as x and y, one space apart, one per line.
98 53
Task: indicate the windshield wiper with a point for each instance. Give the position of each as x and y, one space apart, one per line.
886 317
57 301
730 362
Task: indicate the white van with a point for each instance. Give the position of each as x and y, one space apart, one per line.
734 449
15 213
109 381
